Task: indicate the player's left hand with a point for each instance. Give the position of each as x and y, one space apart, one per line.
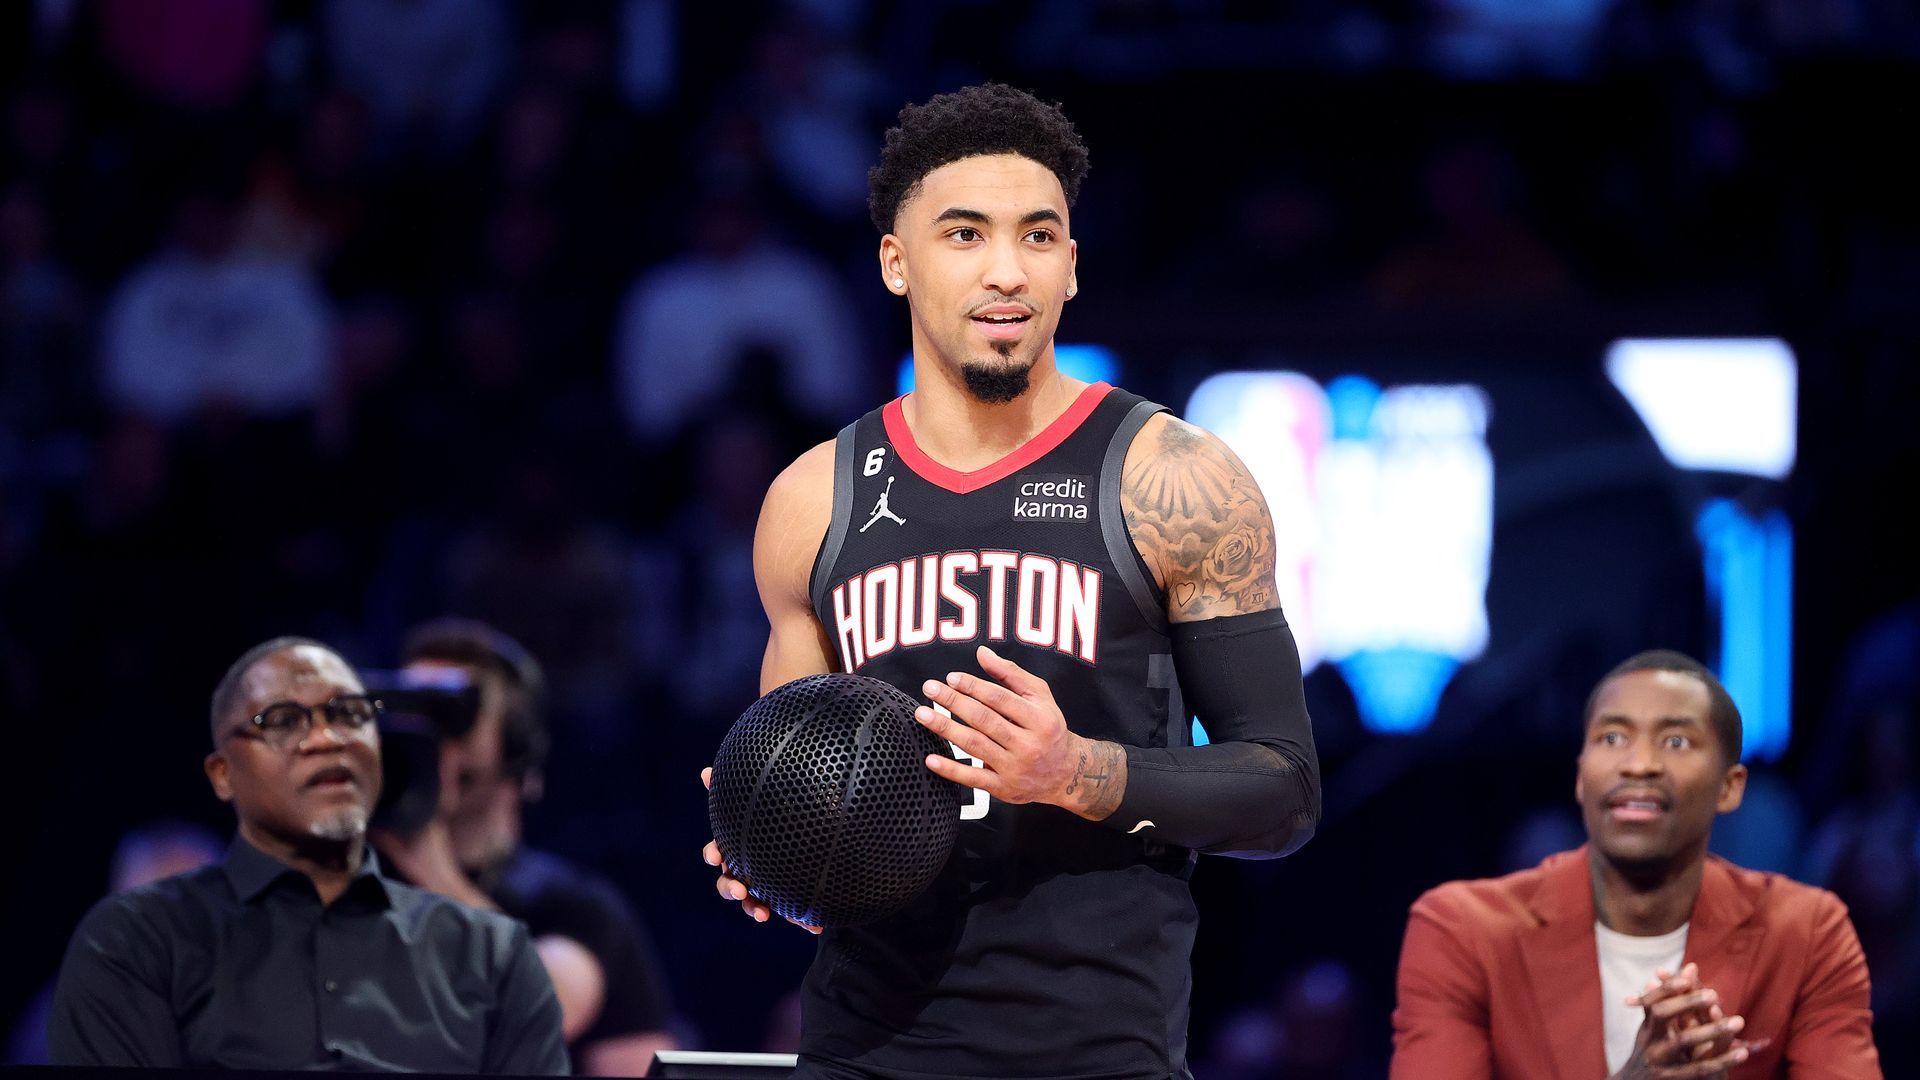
733 888
1009 721
1685 1033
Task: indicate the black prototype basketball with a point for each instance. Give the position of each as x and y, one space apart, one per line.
822 802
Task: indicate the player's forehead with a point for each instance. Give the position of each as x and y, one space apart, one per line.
297 674
1007 187
1651 697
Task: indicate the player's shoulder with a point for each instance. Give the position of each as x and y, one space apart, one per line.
805 481
132 910
1199 521
1510 900
1478 901
794 518
1775 899
1170 456
183 906
1165 431
800 499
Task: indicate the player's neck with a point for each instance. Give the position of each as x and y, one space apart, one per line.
1644 901
960 431
329 864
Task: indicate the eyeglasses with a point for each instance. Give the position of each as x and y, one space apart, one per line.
283 724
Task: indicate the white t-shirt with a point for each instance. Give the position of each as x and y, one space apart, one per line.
183 332
1627 965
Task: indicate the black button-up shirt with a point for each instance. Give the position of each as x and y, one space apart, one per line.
240 966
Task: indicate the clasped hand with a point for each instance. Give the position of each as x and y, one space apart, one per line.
1685 1033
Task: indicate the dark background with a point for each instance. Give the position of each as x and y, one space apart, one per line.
453 208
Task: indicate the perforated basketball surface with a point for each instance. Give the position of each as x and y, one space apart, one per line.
822 803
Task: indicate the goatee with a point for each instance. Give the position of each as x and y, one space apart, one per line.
993 384
342 827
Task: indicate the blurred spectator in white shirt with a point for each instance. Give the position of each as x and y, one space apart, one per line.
684 325
204 323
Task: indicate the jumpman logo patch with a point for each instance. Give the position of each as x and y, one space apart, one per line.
881 510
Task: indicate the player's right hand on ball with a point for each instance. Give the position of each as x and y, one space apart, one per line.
733 888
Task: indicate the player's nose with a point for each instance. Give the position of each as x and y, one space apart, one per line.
1004 272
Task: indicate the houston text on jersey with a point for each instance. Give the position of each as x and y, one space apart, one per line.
1036 599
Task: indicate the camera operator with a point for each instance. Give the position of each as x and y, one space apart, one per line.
493 741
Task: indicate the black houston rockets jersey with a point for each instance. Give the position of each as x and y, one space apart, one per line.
1049 946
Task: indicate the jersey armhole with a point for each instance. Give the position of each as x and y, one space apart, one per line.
1138 578
830 545
1126 558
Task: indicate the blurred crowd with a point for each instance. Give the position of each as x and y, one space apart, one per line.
329 317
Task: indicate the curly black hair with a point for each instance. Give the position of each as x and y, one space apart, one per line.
988 119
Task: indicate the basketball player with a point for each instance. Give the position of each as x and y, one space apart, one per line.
1065 573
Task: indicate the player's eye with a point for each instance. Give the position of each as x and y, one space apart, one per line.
1678 742
282 717
1039 236
966 236
1612 738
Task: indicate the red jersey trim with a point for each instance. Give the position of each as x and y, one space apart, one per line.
962 483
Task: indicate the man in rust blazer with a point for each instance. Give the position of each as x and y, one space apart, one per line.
1638 954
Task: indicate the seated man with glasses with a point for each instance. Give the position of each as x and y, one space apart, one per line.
296 952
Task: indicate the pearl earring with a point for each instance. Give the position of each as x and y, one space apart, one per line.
1071 289
899 283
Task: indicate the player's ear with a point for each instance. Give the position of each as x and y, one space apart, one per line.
216 766
1733 788
893 265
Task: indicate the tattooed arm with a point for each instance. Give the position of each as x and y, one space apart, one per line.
1199 522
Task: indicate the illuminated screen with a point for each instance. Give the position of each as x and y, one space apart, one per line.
1728 404
1731 405
1387 496
1384 497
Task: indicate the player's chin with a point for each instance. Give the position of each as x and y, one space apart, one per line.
997 380
1635 850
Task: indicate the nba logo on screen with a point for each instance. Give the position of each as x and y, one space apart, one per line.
1383 501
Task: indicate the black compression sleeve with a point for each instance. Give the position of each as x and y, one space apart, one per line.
1254 790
